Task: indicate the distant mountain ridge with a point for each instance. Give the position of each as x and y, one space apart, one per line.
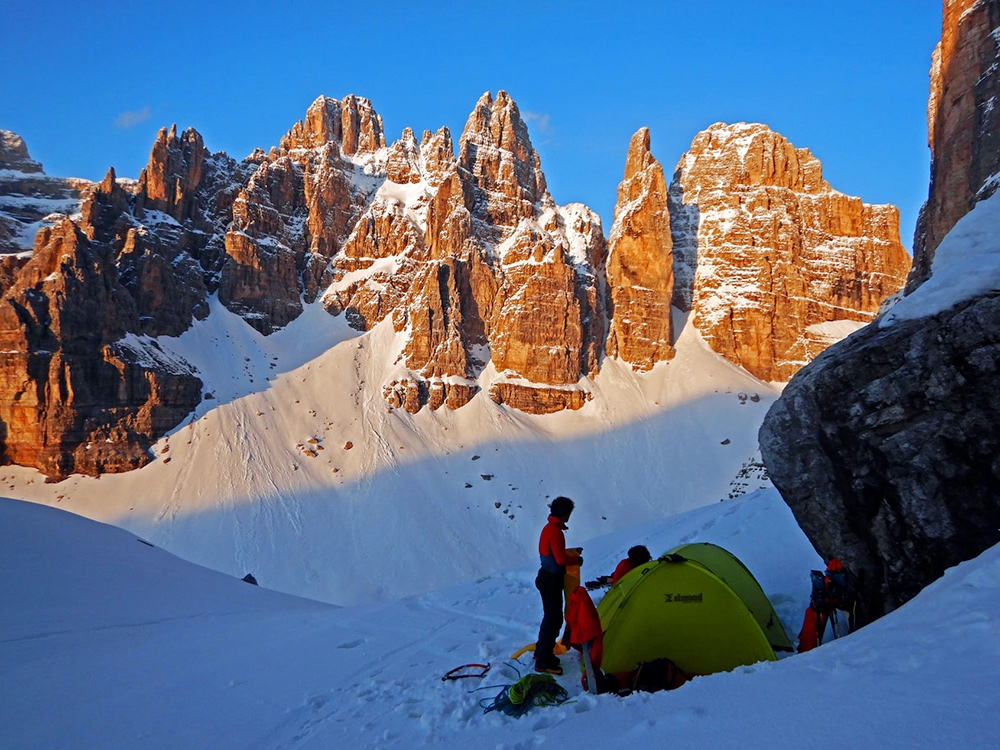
468 255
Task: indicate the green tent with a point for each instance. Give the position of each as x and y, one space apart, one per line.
679 609
729 568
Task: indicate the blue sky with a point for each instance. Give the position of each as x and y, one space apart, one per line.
88 84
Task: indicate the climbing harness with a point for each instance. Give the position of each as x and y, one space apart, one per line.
458 673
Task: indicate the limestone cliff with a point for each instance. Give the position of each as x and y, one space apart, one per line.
640 263
83 386
476 263
78 394
766 251
963 124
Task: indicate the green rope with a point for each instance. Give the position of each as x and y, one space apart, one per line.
530 690
518 692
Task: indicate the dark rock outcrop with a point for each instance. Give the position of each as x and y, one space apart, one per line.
887 450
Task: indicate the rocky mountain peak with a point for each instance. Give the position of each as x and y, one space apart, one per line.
352 124
639 156
28 197
750 154
640 262
495 149
362 127
403 162
438 154
766 252
14 154
173 173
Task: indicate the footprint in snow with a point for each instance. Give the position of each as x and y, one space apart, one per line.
352 644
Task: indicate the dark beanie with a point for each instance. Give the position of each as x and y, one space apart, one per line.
561 507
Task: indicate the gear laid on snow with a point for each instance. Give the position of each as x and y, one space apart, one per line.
459 673
529 691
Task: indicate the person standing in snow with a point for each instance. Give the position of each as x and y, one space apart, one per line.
550 582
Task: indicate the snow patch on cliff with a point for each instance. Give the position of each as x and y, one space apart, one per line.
966 265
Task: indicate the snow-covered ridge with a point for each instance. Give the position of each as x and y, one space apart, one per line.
966 265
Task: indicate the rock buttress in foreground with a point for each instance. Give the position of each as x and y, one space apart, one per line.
887 448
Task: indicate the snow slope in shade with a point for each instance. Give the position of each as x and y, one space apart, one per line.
409 507
106 642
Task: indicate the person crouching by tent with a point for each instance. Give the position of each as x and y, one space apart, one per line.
637 555
550 582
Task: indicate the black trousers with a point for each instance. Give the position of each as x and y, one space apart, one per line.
550 586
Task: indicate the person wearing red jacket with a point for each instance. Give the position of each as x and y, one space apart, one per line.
637 555
550 580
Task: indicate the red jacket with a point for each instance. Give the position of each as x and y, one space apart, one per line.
623 567
552 547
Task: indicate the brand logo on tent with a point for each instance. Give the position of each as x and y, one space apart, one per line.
683 598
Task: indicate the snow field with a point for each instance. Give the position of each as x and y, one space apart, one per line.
112 643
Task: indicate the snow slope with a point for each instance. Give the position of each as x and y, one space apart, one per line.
108 642
417 501
966 265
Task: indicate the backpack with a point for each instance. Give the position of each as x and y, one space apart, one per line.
834 588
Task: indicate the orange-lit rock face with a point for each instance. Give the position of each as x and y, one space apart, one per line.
299 209
173 173
352 125
474 261
501 164
963 124
765 248
74 395
640 263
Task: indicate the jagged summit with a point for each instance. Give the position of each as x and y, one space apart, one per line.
352 124
496 151
490 288
640 263
14 154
